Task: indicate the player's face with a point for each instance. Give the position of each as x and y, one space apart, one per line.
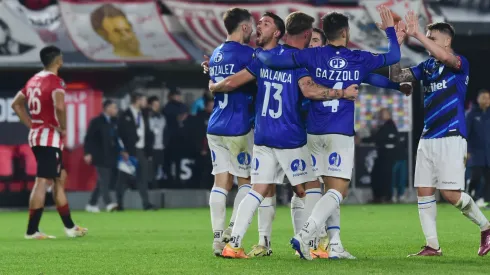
247 29
143 102
442 40
316 40
266 30
155 106
119 33
484 100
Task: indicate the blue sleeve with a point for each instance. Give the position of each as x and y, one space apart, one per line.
302 72
375 61
278 62
418 71
381 82
254 67
465 65
302 57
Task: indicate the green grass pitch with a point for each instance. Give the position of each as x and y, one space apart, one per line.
178 241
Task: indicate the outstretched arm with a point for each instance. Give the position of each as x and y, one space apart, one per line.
231 82
381 82
397 74
388 25
315 91
278 62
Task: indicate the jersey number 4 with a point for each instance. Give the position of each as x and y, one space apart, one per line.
277 96
33 102
334 103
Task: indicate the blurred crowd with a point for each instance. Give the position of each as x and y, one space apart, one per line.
152 140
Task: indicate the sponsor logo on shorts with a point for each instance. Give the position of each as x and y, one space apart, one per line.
313 163
334 160
244 160
255 164
449 182
298 167
213 156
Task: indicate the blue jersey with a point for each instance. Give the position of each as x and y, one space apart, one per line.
278 121
232 111
335 67
444 96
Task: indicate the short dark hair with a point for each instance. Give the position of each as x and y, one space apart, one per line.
333 24
277 21
298 22
48 54
483 91
152 99
107 103
233 17
322 35
136 96
442 27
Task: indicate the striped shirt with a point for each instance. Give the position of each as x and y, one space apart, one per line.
40 93
444 97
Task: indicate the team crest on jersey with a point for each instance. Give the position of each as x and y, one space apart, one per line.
337 63
218 57
62 83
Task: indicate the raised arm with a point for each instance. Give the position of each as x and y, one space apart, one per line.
388 25
231 82
315 91
19 106
436 51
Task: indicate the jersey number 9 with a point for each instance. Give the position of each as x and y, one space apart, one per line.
33 102
277 96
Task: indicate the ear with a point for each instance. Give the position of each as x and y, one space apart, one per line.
278 33
447 43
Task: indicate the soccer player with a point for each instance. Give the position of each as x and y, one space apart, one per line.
280 136
441 154
45 97
332 144
229 127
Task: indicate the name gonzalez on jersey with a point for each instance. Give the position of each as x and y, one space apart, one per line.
226 69
336 64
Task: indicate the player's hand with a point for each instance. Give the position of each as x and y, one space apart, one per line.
205 65
406 88
88 159
125 156
386 18
412 23
212 86
400 32
351 92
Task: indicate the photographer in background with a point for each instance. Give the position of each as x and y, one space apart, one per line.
478 126
158 125
102 151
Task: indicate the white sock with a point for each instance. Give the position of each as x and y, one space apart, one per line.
312 197
297 210
321 212
428 214
333 228
242 192
468 207
217 205
267 212
245 213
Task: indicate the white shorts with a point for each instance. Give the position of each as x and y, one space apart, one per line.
231 154
441 163
269 165
332 155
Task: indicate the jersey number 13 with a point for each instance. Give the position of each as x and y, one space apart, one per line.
277 96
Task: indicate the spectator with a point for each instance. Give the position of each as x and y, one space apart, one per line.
175 113
158 125
478 123
199 104
137 138
101 147
386 139
196 129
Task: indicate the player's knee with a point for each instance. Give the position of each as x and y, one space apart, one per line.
262 189
451 196
313 184
223 180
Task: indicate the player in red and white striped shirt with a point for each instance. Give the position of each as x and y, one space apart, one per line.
45 97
